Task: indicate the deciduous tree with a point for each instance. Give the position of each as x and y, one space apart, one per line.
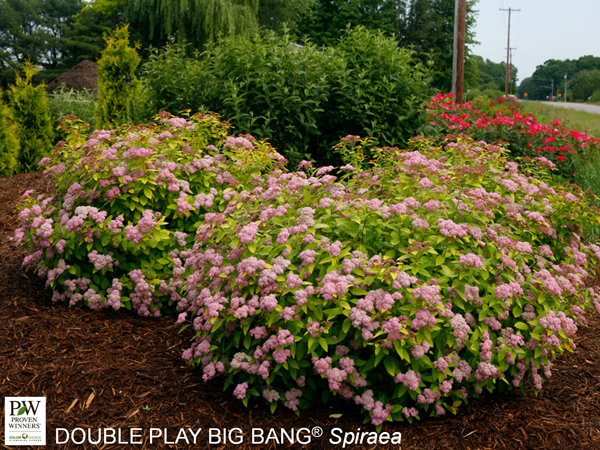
196 21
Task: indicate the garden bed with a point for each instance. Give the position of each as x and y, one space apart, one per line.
114 369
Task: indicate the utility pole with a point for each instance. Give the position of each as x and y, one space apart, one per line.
458 56
510 10
566 87
510 63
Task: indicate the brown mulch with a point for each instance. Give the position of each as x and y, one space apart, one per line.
83 76
102 369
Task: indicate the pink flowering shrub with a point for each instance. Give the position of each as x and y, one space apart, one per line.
122 207
403 297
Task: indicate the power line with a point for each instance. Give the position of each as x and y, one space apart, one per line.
502 9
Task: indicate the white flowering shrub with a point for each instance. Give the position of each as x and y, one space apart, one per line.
122 207
405 288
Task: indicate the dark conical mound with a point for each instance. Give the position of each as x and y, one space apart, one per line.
83 76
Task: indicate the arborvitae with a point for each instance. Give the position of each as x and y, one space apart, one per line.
117 83
32 124
8 144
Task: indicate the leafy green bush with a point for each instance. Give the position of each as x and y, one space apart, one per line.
407 288
123 205
9 147
117 84
32 125
171 81
301 97
71 102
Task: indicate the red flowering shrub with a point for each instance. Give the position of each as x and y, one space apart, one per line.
525 136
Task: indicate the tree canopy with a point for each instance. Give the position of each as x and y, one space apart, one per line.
425 25
549 78
195 21
57 34
37 31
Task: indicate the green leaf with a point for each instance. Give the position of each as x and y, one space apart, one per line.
391 365
358 291
521 326
401 351
447 270
323 343
346 325
21 411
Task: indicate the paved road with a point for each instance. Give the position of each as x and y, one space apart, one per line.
578 106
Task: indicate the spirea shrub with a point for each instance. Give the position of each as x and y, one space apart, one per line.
405 289
122 207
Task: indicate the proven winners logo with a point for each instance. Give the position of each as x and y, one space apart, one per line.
25 421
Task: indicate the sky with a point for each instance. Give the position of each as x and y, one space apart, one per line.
542 30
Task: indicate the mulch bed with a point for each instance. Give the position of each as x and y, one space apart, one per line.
102 369
83 76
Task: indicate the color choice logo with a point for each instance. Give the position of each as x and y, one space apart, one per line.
25 421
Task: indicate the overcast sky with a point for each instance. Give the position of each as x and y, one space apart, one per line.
542 30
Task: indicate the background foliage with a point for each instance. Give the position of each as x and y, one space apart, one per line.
300 97
60 34
583 79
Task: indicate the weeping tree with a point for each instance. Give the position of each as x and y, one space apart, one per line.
195 21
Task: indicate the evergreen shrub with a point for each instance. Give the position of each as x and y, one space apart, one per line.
8 144
118 85
29 114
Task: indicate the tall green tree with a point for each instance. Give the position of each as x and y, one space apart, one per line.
427 26
196 21
272 14
30 118
327 21
583 85
549 78
117 83
493 75
39 31
96 20
429 29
